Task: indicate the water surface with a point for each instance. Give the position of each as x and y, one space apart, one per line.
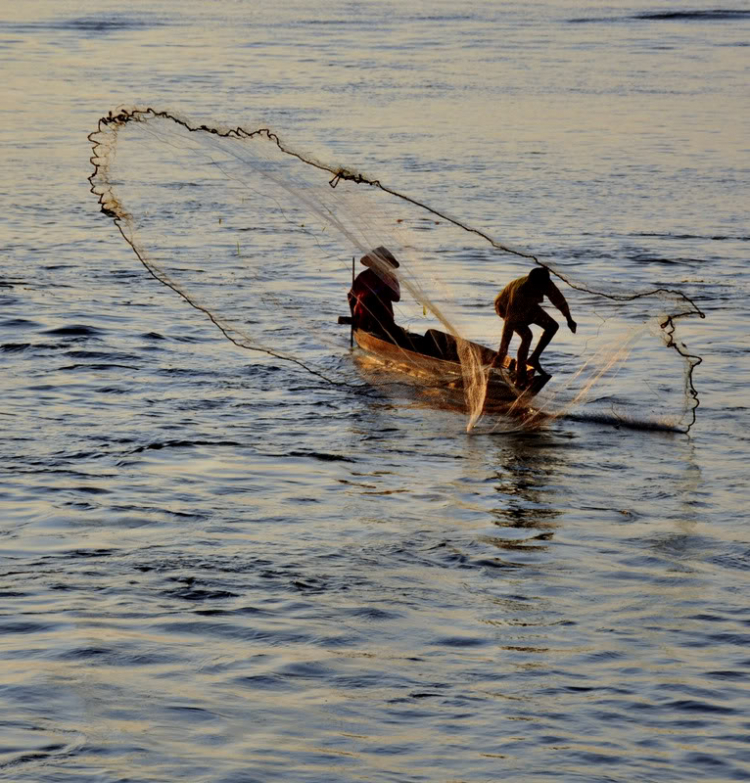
215 567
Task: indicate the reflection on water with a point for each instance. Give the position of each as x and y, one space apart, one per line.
528 465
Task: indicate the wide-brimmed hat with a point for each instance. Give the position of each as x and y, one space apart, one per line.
379 257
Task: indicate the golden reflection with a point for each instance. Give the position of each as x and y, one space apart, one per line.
527 467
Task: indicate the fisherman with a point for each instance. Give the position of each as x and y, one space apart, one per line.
372 295
518 304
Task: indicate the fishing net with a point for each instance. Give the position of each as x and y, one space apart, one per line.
263 240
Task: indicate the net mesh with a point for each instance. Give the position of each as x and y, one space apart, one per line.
261 239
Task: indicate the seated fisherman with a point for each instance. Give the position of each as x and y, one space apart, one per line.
518 304
372 295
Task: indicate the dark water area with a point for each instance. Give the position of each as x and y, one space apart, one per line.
215 566
717 15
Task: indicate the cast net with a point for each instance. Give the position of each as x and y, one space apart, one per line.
261 238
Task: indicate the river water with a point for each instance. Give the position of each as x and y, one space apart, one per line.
215 568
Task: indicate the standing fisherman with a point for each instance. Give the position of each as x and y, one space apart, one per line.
518 304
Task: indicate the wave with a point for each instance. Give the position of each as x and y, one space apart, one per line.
714 15
619 422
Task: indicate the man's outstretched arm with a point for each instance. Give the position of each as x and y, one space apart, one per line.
555 296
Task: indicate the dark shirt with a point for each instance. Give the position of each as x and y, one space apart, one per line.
371 300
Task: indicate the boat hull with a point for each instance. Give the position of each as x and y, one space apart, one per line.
435 355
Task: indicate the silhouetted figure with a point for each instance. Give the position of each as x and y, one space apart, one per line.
518 304
372 295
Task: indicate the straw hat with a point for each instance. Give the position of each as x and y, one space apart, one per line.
378 257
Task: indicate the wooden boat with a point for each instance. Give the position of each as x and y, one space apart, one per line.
435 355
